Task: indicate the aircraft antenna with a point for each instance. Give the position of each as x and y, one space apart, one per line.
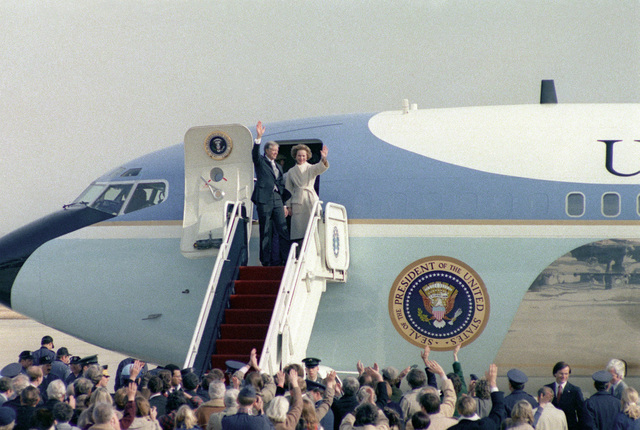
548 92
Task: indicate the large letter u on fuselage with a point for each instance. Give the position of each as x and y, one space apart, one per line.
609 158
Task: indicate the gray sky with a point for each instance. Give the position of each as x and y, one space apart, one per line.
85 86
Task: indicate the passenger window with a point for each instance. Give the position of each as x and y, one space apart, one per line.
146 195
610 204
575 204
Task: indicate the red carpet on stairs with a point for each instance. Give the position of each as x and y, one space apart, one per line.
246 321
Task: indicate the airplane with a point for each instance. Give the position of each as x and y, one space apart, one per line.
512 230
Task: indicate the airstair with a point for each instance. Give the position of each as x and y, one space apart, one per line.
270 309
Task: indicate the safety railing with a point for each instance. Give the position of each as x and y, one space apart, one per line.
232 254
303 282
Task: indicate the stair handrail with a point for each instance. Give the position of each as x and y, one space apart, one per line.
230 221
297 263
288 287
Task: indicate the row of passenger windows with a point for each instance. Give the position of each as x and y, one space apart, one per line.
609 204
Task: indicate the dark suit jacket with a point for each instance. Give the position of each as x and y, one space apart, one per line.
492 422
160 402
572 403
341 407
265 178
603 409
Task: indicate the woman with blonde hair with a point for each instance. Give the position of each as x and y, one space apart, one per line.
521 416
629 417
299 182
186 419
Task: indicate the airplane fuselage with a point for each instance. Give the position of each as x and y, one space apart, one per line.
502 193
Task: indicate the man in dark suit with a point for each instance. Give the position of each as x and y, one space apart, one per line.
156 397
603 407
569 398
268 196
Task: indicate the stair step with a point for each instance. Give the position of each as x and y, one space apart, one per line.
256 301
237 346
247 319
248 316
273 273
256 287
243 331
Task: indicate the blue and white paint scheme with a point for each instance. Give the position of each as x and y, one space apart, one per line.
508 190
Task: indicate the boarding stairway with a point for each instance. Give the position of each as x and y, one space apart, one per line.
270 309
246 320
250 307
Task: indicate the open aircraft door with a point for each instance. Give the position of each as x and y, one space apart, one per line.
217 169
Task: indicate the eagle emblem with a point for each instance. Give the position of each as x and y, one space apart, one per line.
438 299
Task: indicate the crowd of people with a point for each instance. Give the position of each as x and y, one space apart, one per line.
47 390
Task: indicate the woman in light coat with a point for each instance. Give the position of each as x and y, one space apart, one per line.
299 182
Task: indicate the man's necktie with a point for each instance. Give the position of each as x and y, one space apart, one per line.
559 393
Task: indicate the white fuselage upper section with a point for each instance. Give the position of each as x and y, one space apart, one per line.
551 142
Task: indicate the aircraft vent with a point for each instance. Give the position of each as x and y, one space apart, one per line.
548 92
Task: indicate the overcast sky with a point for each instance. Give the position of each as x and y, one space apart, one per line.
86 85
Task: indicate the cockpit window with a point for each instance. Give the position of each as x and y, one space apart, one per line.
131 172
112 199
132 196
90 194
145 195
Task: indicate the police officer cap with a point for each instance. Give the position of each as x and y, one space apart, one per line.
45 359
92 359
75 359
248 392
312 385
25 355
517 376
11 370
233 365
63 352
7 416
311 362
601 376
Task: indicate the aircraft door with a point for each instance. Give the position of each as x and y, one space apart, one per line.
217 170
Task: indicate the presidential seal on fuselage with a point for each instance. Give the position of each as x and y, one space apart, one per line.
439 301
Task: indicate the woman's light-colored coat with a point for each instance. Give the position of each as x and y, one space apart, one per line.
299 182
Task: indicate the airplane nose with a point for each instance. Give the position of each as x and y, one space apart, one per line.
17 246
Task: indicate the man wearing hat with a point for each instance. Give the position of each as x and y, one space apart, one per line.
243 420
25 359
46 349
602 406
312 366
47 376
322 397
75 367
60 367
517 379
7 417
86 362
